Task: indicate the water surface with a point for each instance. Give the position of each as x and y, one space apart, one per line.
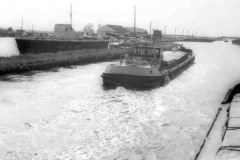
68 114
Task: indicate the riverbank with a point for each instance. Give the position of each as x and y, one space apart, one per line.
41 61
28 62
198 40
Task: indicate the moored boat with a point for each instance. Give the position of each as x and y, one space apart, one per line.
148 66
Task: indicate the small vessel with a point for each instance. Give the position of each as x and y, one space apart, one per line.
148 66
226 40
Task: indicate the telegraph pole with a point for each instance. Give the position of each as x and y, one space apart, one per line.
135 23
71 15
165 32
175 33
182 33
22 25
151 29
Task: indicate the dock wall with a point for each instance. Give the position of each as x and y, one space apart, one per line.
222 141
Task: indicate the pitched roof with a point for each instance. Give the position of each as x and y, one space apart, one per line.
118 29
139 30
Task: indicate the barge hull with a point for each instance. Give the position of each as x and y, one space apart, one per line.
32 46
141 81
173 73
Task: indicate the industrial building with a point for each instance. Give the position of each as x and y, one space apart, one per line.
138 31
112 30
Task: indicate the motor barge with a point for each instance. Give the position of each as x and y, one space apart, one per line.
148 66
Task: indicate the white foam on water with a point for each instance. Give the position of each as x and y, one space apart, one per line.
8 47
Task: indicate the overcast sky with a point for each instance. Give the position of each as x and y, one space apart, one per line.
206 17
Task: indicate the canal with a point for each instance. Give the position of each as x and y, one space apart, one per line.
66 113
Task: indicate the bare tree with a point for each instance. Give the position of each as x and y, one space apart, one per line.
88 29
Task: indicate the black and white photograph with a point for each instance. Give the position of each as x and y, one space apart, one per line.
119 80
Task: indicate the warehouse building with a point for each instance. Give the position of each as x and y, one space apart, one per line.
112 30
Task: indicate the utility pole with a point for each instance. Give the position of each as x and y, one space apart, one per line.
22 25
182 33
135 24
165 32
175 33
71 15
151 29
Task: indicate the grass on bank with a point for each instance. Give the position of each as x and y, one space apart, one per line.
22 61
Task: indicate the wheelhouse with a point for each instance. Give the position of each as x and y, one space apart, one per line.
146 52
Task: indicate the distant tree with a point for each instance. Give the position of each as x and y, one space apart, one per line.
10 29
88 29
